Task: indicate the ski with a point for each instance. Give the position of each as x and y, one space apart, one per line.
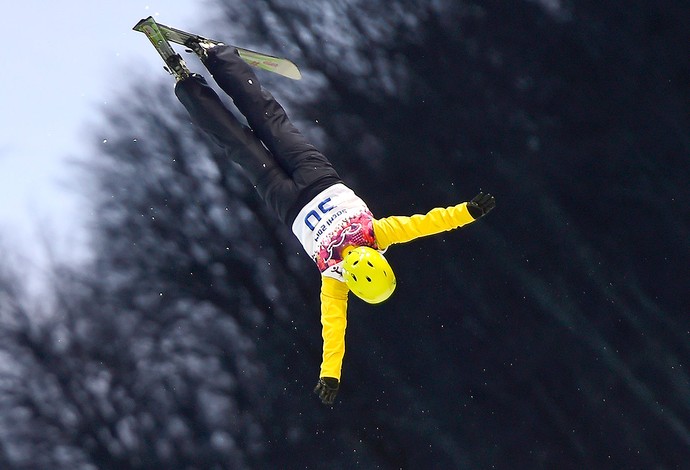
278 65
174 62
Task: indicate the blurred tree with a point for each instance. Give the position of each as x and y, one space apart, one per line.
112 381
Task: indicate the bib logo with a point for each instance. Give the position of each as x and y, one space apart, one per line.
323 207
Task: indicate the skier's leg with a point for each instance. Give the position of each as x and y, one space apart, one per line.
207 111
305 164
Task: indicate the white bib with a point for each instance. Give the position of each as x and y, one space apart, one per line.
335 219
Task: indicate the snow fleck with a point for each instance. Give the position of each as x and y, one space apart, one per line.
250 81
105 141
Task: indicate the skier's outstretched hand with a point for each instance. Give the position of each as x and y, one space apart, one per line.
480 205
327 389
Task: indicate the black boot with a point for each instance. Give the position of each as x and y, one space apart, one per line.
201 47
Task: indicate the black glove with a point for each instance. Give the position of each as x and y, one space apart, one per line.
480 205
327 389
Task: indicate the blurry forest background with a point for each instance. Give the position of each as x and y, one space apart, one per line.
552 334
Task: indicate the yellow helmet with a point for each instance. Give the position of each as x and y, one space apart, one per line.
368 274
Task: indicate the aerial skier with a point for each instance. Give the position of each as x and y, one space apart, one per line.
335 227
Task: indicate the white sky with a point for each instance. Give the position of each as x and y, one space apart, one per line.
61 61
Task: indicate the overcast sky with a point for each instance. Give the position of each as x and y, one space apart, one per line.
61 62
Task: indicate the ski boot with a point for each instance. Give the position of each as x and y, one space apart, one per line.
201 47
176 67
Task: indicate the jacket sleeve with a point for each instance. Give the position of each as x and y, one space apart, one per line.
401 229
333 322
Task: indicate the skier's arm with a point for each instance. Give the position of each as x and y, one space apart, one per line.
333 321
401 229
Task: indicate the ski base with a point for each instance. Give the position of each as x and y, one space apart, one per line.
278 65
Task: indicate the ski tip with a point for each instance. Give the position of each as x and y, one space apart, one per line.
140 24
293 74
290 70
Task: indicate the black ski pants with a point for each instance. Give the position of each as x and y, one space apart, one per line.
286 169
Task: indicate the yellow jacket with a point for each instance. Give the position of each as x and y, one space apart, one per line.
389 230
